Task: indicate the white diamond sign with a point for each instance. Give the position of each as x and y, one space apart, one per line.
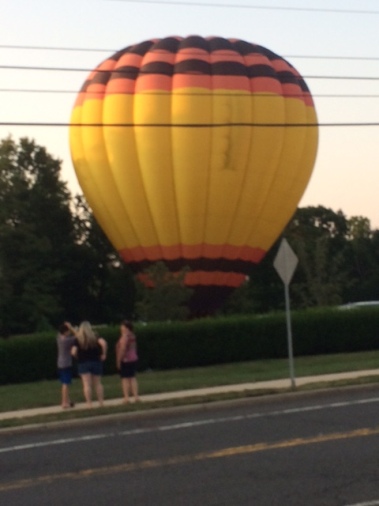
285 262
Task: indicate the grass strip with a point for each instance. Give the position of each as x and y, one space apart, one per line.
66 416
47 393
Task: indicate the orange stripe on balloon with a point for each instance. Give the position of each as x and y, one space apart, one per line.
281 65
294 91
192 81
95 91
106 65
158 56
129 60
122 85
153 82
252 59
92 92
225 55
222 82
265 85
192 54
193 251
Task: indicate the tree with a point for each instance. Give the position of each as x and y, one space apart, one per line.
364 260
163 295
107 282
318 221
36 236
319 238
262 292
338 262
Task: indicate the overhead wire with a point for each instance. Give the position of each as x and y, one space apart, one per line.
111 51
247 6
198 4
130 72
314 95
186 125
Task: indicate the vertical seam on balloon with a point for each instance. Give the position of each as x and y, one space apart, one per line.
106 152
305 146
258 219
173 171
110 169
222 246
135 227
298 79
154 225
125 209
208 169
94 181
245 169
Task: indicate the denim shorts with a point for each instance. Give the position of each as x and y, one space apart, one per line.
65 375
94 367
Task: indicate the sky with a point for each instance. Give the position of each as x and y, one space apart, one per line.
334 44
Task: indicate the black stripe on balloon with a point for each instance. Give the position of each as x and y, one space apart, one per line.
199 264
169 44
173 45
220 44
195 42
158 67
98 78
140 49
125 72
196 67
246 48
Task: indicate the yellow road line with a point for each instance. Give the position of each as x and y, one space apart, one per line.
184 459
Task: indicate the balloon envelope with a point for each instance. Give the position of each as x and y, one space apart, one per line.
194 151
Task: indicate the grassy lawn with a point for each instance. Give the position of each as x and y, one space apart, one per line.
47 393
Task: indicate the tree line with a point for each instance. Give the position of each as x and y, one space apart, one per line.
56 263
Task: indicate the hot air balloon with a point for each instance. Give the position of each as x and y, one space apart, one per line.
194 151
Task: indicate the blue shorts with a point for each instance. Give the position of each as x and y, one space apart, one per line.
128 369
94 367
65 375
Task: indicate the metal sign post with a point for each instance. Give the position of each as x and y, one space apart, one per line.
285 264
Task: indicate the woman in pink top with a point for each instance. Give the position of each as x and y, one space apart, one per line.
127 359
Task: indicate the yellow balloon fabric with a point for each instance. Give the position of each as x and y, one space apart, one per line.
194 151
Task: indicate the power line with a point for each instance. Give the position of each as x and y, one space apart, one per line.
245 6
187 125
327 95
52 48
126 72
111 51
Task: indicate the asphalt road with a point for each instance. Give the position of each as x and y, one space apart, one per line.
288 450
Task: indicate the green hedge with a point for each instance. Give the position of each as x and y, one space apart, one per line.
34 357
207 341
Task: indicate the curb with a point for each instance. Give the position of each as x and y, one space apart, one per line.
262 389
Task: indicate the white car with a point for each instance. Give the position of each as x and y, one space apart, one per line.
364 303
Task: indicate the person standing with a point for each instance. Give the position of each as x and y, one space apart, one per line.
90 352
65 341
127 359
